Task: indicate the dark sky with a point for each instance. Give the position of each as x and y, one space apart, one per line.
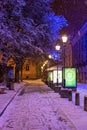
75 11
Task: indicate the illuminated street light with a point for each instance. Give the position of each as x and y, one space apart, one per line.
64 40
50 56
57 47
44 64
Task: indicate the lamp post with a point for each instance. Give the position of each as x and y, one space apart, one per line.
57 47
50 57
64 40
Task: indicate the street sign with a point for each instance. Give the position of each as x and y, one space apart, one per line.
10 72
69 77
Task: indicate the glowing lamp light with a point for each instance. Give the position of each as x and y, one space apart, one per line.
64 38
50 56
57 47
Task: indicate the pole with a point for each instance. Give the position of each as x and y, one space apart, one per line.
64 55
64 69
57 49
64 39
57 68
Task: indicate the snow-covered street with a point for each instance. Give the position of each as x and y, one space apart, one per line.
40 108
43 65
35 110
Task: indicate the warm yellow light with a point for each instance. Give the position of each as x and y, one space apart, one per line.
57 47
64 38
50 56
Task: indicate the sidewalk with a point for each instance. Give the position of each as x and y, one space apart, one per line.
60 106
8 96
75 114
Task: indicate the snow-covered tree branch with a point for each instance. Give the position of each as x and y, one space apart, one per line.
27 27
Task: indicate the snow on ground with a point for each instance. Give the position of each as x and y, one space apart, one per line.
40 108
8 94
82 90
34 110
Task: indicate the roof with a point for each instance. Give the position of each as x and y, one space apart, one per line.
54 68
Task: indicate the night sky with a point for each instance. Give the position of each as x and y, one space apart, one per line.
75 11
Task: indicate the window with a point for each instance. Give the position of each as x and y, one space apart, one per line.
27 67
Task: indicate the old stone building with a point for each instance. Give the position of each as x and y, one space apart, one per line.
30 70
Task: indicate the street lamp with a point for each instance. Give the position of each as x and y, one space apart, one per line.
64 40
50 56
57 47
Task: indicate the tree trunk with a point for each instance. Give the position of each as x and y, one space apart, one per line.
17 74
21 74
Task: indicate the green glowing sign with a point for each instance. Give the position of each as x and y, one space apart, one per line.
69 77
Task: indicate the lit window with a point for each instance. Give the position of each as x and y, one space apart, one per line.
27 67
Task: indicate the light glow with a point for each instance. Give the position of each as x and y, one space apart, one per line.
59 76
64 38
50 56
57 47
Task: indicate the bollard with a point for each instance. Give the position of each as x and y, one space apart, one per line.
70 95
85 103
49 84
64 93
52 86
59 89
77 99
56 89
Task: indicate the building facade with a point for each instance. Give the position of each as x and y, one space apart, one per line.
79 54
68 56
30 70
